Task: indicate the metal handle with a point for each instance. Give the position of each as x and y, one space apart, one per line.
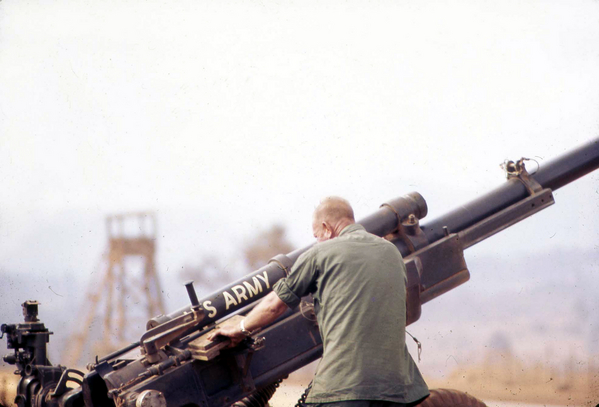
192 294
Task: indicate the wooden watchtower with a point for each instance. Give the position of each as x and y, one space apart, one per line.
129 291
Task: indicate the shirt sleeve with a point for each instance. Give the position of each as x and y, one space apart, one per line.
300 281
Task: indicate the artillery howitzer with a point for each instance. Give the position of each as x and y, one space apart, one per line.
179 367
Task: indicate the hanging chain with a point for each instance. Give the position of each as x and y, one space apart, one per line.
418 343
302 400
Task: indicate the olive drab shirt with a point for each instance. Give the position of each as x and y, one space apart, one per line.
358 283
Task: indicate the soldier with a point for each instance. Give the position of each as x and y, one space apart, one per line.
358 283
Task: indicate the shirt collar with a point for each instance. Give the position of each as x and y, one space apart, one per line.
351 228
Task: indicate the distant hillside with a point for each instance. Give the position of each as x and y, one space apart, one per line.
542 305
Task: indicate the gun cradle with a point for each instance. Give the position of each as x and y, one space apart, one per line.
292 342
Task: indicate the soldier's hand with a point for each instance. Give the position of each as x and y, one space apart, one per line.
233 332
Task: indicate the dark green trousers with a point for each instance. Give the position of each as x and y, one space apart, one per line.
358 403
363 403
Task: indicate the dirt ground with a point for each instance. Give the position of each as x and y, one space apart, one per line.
8 387
497 387
520 384
503 385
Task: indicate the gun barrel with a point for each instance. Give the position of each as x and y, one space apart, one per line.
256 285
555 174
238 294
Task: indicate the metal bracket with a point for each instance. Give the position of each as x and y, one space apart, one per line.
505 218
518 171
154 339
408 230
243 362
61 387
440 267
413 305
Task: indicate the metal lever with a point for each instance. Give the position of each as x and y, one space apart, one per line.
154 339
192 294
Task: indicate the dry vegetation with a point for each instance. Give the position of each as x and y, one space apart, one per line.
513 381
8 387
508 381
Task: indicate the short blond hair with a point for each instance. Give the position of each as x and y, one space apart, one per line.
333 209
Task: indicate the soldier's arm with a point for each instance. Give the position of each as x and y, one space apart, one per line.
268 310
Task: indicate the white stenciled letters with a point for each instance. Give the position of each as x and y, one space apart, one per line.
208 307
253 289
265 279
239 292
229 300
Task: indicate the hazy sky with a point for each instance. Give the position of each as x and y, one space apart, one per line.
224 117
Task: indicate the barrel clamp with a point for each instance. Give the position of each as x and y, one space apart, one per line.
283 262
408 230
518 171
